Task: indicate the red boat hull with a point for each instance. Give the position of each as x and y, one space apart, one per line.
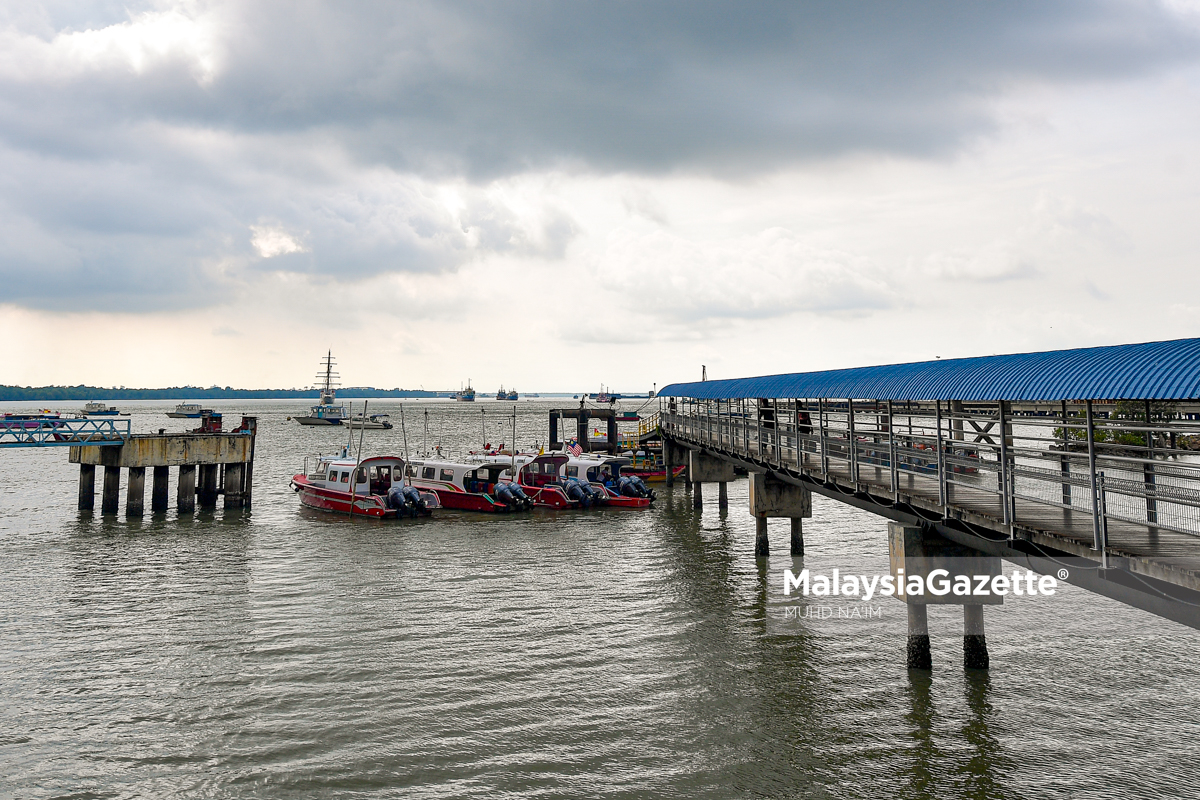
460 500
317 497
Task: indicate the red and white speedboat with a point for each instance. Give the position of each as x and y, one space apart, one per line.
559 480
469 487
373 487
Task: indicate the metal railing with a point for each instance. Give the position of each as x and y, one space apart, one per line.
62 432
1071 465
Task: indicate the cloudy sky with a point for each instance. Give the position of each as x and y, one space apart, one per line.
555 195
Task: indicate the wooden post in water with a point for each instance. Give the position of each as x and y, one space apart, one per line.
135 494
186 495
87 487
722 495
158 491
111 497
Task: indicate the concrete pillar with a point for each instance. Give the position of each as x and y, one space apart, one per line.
797 536
919 655
762 545
158 493
87 487
975 653
233 486
135 495
697 495
207 486
111 498
248 481
669 460
723 494
186 499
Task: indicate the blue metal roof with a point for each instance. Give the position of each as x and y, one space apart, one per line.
1149 371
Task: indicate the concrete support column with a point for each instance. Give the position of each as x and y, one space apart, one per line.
669 460
207 493
919 655
87 487
975 653
111 498
186 499
697 495
135 495
762 545
233 485
797 536
723 494
158 493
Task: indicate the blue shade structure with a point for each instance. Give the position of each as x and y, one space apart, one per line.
1147 371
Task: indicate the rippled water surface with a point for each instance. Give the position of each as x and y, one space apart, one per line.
289 653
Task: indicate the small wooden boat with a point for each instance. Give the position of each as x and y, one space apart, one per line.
374 487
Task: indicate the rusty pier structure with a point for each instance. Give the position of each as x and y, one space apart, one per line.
210 465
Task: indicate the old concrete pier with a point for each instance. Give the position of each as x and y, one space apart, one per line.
225 461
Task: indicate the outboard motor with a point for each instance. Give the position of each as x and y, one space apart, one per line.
597 494
519 493
504 495
397 498
627 488
575 491
414 498
642 487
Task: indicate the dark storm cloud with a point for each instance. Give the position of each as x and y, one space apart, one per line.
108 160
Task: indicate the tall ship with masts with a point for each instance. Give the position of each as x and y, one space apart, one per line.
326 412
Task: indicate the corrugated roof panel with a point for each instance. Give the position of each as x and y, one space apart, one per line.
1148 371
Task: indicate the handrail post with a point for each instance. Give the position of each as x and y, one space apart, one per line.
853 441
1148 473
941 456
1103 521
1097 543
1004 475
824 439
895 480
1065 459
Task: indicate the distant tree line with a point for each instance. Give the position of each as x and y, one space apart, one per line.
81 392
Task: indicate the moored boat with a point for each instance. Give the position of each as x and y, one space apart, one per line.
325 412
186 411
466 395
373 487
94 409
371 422
469 487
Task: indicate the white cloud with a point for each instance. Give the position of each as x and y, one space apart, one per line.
269 241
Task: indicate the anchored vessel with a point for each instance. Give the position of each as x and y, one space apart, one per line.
372 422
509 395
559 480
466 395
94 409
373 487
187 411
325 412
470 487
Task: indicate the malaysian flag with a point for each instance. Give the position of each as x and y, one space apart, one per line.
573 448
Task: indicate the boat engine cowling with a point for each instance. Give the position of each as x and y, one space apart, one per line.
642 487
416 500
397 498
519 493
504 495
576 491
